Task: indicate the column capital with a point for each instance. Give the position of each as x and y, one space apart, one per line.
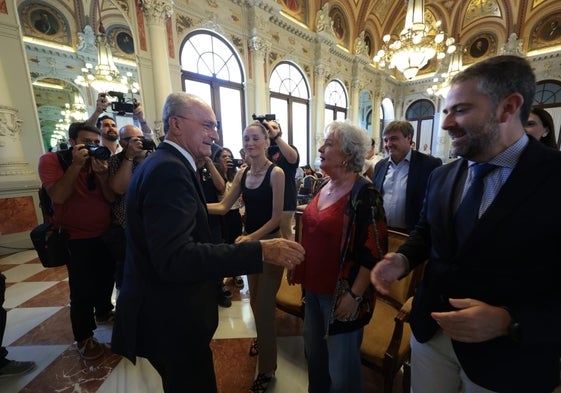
259 46
157 11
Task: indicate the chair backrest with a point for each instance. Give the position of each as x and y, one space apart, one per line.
403 289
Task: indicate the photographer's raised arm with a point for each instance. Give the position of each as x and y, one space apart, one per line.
138 113
101 106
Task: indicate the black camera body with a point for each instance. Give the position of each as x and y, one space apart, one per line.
147 144
119 105
237 162
262 118
99 152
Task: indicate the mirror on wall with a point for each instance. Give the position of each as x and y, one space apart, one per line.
59 103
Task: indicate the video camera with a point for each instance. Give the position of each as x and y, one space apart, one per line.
262 118
119 104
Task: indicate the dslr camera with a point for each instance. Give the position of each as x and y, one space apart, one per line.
237 162
99 152
147 144
262 118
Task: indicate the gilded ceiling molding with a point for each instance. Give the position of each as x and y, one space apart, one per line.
157 11
478 9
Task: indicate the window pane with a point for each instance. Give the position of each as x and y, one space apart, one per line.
300 130
199 89
232 125
335 94
340 115
279 108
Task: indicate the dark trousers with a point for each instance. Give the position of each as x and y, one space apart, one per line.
3 350
91 278
193 372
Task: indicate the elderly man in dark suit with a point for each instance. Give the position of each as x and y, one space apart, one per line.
167 307
402 176
488 312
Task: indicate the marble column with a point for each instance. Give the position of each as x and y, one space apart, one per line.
156 13
259 49
319 111
354 105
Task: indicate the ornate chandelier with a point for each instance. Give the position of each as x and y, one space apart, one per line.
418 42
105 77
441 84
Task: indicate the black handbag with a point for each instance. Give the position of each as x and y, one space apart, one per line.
51 244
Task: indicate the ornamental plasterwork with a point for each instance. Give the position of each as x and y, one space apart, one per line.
10 125
124 5
157 11
209 21
183 22
478 9
259 46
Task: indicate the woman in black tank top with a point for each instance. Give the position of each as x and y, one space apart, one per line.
261 186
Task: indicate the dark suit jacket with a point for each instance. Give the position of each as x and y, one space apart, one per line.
420 167
167 307
512 259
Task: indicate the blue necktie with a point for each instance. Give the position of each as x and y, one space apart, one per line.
468 211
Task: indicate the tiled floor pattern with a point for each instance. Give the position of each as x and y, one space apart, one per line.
38 329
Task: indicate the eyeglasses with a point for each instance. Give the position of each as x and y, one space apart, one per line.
207 125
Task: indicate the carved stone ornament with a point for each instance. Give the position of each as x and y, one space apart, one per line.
259 46
157 11
12 161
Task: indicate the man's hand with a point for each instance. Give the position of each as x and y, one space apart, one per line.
282 252
79 155
100 167
387 271
138 111
474 321
102 103
134 148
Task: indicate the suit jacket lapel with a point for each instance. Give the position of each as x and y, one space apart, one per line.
192 172
530 171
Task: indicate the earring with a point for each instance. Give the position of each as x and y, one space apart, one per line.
546 134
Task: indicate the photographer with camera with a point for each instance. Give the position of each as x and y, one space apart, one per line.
286 157
107 124
81 201
135 148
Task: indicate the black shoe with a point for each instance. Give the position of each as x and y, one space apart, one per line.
223 301
226 292
238 282
13 367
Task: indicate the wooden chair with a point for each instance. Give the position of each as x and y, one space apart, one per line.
289 297
385 344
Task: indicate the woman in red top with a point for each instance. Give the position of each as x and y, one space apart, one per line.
344 235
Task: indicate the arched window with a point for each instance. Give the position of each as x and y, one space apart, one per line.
336 102
289 97
548 97
421 115
211 69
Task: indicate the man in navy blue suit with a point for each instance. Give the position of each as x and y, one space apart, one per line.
402 176
487 315
167 310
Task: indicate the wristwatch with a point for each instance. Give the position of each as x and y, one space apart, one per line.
514 330
357 298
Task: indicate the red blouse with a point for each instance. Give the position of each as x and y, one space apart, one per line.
322 232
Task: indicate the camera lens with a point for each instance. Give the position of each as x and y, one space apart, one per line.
147 144
99 152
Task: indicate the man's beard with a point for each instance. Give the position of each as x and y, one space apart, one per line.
111 136
479 140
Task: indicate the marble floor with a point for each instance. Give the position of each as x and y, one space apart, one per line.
38 329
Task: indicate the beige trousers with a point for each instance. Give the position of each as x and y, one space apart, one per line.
262 293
